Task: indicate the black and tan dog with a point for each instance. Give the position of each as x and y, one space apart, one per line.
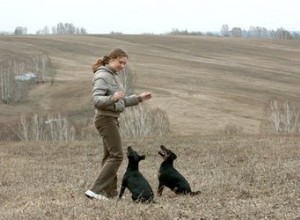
168 176
139 187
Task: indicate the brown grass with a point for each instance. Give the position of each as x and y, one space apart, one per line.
207 86
204 83
245 177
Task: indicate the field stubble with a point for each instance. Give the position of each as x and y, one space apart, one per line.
240 177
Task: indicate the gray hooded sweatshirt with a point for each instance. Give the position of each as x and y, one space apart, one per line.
105 83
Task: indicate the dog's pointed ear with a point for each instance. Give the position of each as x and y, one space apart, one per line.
174 156
142 157
163 147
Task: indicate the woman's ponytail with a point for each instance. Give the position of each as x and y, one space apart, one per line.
100 62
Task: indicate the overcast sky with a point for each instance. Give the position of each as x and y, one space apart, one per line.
150 16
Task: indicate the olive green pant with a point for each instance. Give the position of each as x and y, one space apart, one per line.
106 183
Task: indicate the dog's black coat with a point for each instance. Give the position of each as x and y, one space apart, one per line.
168 176
139 187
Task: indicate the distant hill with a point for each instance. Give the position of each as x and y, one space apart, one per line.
205 84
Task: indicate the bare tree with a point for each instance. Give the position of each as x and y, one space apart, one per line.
225 30
142 121
55 127
67 28
274 114
289 117
20 30
283 116
11 90
5 82
40 66
31 128
282 34
59 128
43 31
13 82
127 78
83 31
236 32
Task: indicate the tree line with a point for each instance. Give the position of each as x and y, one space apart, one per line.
252 32
60 28
226 31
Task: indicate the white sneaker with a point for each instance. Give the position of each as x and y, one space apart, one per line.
91 195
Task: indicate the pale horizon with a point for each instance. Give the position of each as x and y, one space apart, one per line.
153 17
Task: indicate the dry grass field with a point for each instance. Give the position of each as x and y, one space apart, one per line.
205 85
248 177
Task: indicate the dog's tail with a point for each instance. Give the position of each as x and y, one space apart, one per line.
195 193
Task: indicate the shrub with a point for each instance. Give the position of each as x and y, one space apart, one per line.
283 116
54 127
143 121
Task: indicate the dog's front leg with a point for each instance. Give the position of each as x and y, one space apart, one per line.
123 187
160 190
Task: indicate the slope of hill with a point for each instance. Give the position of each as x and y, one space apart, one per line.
203 83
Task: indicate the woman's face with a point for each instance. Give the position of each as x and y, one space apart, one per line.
118 63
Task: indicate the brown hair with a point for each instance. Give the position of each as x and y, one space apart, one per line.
115 53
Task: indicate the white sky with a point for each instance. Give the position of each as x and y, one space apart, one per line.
150 16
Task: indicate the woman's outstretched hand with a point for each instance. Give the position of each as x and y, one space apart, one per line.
146 95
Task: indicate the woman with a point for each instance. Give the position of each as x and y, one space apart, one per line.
109 101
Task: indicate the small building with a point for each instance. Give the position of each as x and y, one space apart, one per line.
26 77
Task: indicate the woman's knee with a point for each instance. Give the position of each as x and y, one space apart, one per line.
120 157
117 156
